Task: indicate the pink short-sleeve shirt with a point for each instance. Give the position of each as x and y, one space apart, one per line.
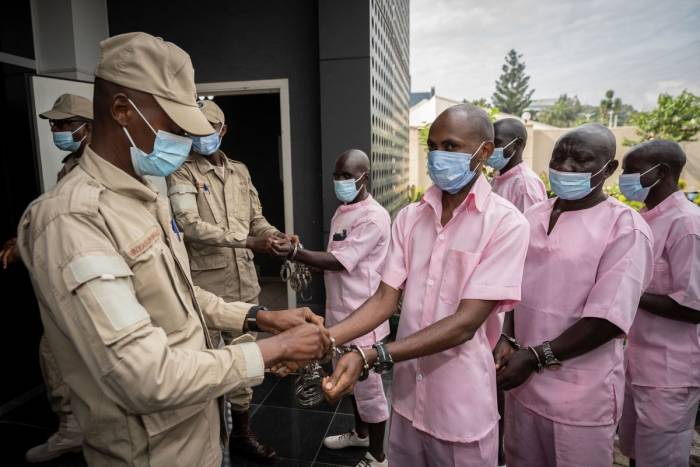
478 254
521 186
596 263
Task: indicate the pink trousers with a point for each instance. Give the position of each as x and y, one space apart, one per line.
410 447
657 425
535 441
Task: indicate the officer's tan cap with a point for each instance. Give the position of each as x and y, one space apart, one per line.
69 106
212 112
139 61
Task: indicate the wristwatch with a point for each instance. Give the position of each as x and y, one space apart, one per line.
384 363
251 319
550 361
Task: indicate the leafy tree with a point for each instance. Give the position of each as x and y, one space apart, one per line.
674 118
566 112
512 88
614 104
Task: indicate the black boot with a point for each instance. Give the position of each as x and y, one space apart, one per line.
243 441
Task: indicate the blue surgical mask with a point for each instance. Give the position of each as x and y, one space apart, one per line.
451 171
572 185
169 152
497 160
346 190
207 145
631 186
64 140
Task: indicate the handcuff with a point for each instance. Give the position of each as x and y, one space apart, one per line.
297 275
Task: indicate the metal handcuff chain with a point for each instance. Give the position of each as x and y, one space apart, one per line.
297 275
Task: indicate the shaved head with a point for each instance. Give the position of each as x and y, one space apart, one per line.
655 152
473 121
508 129
353 160
591 138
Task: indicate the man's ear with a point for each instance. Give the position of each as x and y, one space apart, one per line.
224 130
121 109
611 167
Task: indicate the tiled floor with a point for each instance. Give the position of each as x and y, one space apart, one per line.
295 433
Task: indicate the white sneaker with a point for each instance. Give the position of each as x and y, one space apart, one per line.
346 440
370 461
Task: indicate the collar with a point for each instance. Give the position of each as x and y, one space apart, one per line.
476 198
518 169
115 179
671 202
72 155
358 205
204 165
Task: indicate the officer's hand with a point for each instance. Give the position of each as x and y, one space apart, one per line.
302 343
285 369
293 239
281 247
516 369
9 253
278 321
345 374
502 351
261 244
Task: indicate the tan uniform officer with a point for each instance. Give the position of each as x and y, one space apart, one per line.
109 269
218 209
71 122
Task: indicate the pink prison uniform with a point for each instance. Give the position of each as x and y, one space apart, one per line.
663 355
522 187
595 263
449 399
366 227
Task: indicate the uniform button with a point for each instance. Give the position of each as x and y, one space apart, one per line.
431 282
419 377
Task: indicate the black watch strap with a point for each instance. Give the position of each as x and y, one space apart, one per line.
384 363
251 319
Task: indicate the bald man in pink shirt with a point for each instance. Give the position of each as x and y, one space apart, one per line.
588 262
663 349
357 245
458 255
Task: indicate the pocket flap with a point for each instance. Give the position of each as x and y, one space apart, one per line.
205 263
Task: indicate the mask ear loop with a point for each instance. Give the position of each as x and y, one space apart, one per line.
141 115
653 184
601 169
74 131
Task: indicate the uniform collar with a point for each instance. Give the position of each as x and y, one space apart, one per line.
358 205
476 198
115 179
672 202
518 169
204 165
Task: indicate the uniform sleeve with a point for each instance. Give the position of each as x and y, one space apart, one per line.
219 314
183 199
395 265
87 289
259 227
531 192
499 272
624 272
358 244
684 260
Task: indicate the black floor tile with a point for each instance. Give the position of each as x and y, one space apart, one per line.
283 462
350 456
263 390
345 406
283 396
323 464
293 433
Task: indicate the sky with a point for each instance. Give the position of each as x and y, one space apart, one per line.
638 48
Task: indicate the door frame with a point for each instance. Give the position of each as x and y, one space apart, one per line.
267 86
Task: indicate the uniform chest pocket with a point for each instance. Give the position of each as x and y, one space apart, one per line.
156 287
242 201
459 266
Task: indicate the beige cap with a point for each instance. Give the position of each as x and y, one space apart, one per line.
69 106
139 61
212 112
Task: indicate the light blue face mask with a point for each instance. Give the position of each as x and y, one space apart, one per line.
207 145
498 160
572 185
631 185
451 171
64 140
169 152
346 190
